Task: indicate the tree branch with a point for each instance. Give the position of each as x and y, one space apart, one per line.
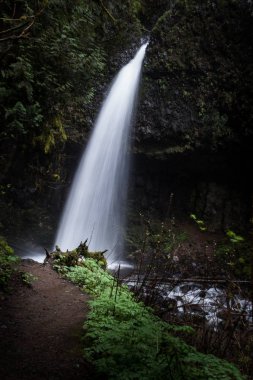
107 11
26 25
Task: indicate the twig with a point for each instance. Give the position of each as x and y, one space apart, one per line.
14 28
103 6
24 31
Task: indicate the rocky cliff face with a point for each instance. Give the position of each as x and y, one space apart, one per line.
193 131
197 86
195 115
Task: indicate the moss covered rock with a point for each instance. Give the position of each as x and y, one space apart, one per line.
197 90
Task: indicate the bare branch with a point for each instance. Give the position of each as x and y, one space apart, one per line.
107 11
25 25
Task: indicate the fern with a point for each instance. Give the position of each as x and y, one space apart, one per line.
125 340
7 263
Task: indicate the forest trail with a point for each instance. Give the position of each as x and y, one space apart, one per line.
40 328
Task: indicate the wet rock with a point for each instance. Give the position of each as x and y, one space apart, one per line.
188 287
202 294
194 308
187 115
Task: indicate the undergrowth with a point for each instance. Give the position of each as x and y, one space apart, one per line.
28 279
7 263
125 340
234 253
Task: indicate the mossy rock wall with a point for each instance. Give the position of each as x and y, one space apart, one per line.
193 127
197 82
194 134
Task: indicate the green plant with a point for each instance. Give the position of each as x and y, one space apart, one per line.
28 278
63 260
200 223
163 239
233 237
7 262
125 340
234 253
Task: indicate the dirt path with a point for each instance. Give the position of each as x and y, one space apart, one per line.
40 328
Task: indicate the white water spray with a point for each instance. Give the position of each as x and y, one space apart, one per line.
95 206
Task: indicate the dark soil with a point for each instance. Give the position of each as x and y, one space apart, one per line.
41 326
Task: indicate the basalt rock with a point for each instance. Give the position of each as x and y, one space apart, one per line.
197 82
193 134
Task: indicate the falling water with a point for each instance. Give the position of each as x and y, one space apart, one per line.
95 206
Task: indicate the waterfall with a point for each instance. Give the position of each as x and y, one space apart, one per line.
95 205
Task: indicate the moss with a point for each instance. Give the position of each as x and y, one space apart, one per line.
195 84
7 263
76 257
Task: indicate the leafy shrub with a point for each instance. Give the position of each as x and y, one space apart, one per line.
28 278
234 253
200 223
7 262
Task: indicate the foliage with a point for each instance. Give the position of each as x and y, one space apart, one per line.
152 235
59 63
200 223
125 340
63 260
7 263
49 66
55 58
52 134
90 277
233 237
234 253
28 278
